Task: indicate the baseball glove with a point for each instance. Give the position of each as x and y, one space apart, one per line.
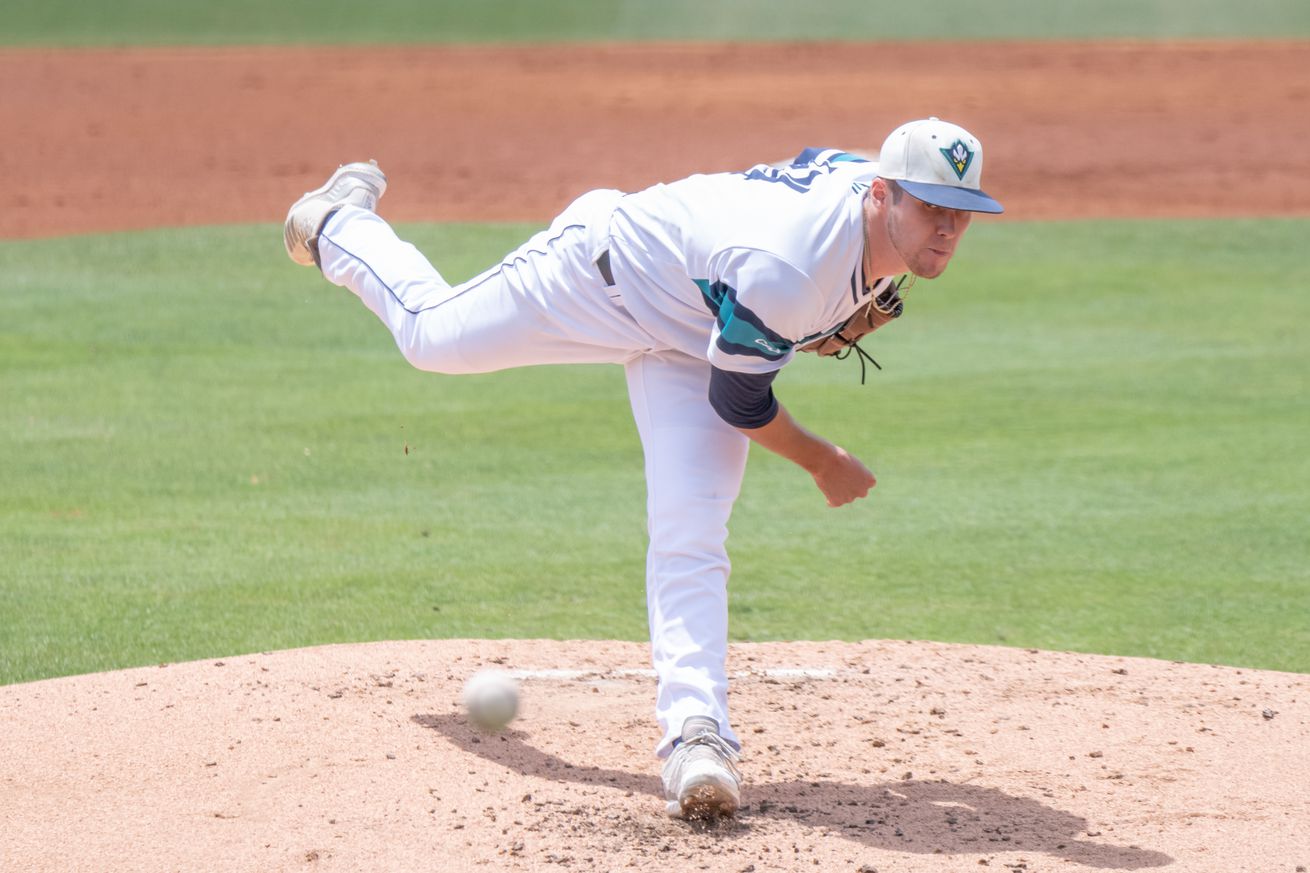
880 310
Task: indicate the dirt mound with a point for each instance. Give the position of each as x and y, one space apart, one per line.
878 755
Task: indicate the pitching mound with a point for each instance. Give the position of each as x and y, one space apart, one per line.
870 756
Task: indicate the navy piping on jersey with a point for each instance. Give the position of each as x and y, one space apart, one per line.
743 399
503 264
829 156
823 334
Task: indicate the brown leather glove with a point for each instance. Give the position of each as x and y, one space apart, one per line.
880 310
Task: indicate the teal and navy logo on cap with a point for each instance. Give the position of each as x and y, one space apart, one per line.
959 156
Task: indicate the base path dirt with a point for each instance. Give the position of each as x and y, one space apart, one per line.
889 756
109 139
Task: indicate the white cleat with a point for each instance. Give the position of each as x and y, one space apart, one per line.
358 184
700 779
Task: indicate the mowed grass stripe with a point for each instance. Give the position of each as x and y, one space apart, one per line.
165 22
1088 437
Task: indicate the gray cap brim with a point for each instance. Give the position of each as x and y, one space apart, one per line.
951 197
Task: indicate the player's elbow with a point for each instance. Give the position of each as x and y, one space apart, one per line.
743 400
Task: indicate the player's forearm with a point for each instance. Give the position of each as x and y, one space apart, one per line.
784 436
838 474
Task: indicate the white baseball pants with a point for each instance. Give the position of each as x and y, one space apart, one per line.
546 303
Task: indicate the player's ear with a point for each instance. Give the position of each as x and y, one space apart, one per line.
878 190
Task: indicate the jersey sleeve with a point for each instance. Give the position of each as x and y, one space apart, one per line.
743 399
826 158
762 305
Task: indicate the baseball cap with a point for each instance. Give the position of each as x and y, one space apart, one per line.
939 163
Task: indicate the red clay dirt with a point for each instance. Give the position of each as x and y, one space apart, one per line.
114 139
876 756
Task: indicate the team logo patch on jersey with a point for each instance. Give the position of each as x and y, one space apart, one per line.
959 156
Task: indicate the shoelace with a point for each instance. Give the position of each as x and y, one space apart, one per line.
720 745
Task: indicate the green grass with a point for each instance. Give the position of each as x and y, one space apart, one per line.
129 22
1088 437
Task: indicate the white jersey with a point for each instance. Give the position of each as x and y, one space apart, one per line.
743 268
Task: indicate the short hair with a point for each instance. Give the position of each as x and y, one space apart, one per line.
896 190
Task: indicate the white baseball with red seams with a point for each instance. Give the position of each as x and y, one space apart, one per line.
491 698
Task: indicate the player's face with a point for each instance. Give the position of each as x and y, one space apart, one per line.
925 236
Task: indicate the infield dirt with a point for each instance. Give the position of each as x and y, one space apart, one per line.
114 139
877 756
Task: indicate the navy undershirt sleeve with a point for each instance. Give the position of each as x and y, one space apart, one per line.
743 399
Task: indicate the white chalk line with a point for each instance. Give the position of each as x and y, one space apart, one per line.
571 675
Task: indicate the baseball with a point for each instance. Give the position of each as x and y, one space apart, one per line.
492 699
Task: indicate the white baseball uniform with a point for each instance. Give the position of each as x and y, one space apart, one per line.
714 274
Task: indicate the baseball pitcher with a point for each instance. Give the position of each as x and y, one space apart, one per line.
702 289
